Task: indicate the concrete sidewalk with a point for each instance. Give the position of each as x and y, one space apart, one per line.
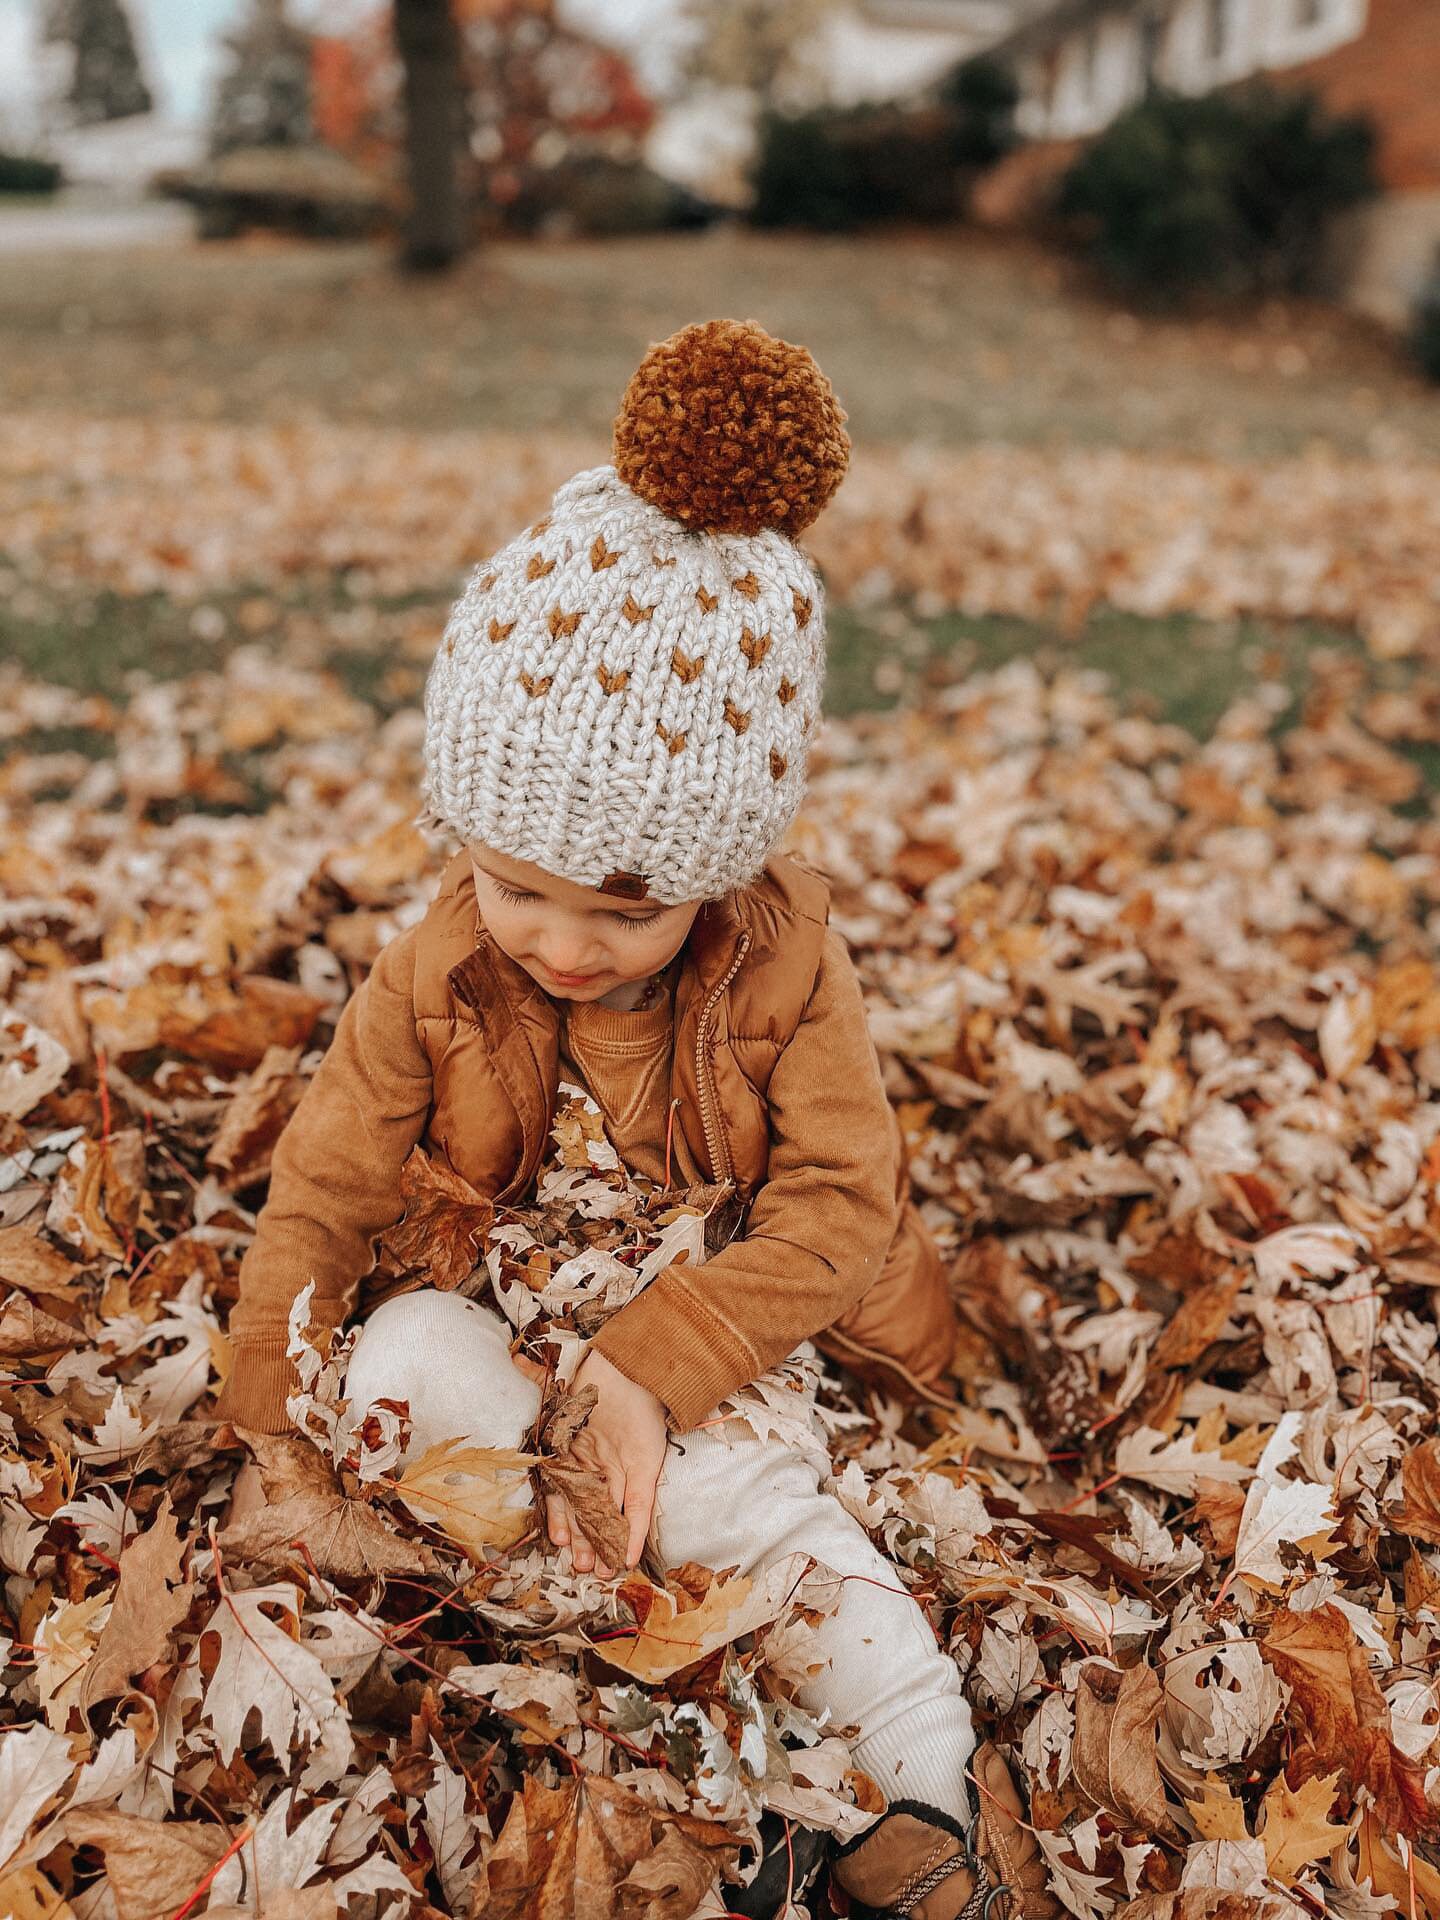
86 222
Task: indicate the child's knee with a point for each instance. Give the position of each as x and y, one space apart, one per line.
449 1359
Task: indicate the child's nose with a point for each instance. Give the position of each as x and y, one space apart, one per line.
572 960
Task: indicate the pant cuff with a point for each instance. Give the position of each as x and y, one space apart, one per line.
922 1755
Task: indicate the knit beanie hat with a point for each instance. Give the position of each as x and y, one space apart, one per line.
625 694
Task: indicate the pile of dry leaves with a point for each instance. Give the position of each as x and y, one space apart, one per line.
189 508
1163 1023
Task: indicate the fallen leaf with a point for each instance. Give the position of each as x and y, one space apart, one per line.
587 1850
443 1227
1339 1714
151 1599
256 1115
589 1498
151 1869
27 1330
1419 1514
478 1497
1279 1514
306 1507
1296 1827
1114 1756
1217 1814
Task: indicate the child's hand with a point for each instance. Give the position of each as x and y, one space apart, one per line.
624 1439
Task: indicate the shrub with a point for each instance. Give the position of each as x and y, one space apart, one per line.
836 168
23 173
982 96
1230 192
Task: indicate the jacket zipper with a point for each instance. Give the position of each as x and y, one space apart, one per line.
714 1135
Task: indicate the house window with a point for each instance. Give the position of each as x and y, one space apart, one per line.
1092 67
1217 30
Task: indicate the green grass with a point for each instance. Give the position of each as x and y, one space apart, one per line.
1184 670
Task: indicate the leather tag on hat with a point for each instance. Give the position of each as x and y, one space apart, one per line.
625 886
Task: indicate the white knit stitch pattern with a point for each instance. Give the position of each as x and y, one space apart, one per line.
527 751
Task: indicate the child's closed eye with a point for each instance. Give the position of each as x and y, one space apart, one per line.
520 899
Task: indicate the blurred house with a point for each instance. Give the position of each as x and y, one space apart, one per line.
870 50
1079 63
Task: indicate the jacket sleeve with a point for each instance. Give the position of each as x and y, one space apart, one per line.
819 1229
334 1185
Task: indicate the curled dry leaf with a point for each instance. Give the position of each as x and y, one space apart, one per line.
443 1227
1117 1715
588 1495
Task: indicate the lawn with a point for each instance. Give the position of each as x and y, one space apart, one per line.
948 346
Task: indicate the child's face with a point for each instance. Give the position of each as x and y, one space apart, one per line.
575 942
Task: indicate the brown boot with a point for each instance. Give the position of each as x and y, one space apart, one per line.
917 1861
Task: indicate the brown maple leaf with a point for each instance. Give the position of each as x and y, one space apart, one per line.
443 1227
1420 1479
306 1506
151 1600
257 1115
1340 1718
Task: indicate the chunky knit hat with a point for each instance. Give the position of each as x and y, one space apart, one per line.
625 694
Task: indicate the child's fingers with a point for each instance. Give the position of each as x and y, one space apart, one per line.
557 1519
639 1506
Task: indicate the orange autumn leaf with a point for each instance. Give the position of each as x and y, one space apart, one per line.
1339 1715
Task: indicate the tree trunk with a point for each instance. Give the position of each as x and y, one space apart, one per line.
428 42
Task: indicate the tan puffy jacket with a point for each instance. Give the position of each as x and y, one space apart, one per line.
450 1044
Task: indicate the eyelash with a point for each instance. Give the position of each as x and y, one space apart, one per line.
625 919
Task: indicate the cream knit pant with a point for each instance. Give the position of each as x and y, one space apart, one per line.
726 1498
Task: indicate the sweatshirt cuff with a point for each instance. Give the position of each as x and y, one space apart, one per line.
262 1378
668 1340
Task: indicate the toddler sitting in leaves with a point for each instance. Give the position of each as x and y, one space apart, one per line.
617 726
